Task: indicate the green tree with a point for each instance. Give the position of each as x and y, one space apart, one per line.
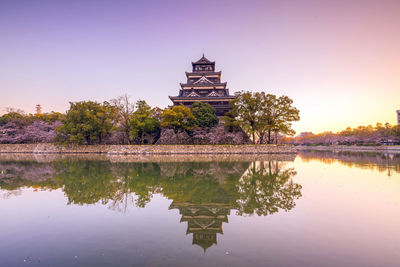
205 114
230 123
142 122
88 123
261 114
178 118
19 118
50 117
276 115
246 111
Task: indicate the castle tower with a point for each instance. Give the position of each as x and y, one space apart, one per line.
204 85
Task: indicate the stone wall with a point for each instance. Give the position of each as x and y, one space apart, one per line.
204 136
30 157
147 149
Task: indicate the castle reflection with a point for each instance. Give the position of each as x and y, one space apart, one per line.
203 221
205 193
258 187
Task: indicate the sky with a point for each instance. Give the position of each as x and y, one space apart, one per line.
338 60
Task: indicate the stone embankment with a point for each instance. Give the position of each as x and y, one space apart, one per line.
375 149
29 157
147 149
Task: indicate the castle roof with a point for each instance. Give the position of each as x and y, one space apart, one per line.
205 98
203 84
203 60
202 73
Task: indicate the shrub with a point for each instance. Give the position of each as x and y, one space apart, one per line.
205 114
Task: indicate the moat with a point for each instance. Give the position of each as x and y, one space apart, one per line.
310 209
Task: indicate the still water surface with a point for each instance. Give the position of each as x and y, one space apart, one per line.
316 209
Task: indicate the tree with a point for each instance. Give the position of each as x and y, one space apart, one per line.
18 127
125 110
21 119
88 123
230 123
15 117
261 114
142 122
246 109
277 115
178 118
37 132
156 113
205 114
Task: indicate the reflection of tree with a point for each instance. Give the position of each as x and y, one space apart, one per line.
14 175
88 182
142 179
365 160
205 202
265 188
203 192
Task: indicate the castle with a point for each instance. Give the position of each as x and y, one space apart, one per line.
204 85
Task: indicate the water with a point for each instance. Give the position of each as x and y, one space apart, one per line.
316 209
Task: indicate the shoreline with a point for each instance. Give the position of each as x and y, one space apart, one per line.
30 157
337 148
147 149
48 148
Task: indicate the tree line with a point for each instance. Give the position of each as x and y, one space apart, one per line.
379 134
121 121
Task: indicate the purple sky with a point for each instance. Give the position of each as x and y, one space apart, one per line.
338 60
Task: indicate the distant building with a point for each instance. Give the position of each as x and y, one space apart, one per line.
204 85
398 117
38 109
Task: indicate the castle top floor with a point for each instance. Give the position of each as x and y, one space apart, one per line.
203 65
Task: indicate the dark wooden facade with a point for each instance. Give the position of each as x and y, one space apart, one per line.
204 85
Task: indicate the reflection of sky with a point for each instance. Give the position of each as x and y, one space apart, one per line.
345 217
338 60
351 211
